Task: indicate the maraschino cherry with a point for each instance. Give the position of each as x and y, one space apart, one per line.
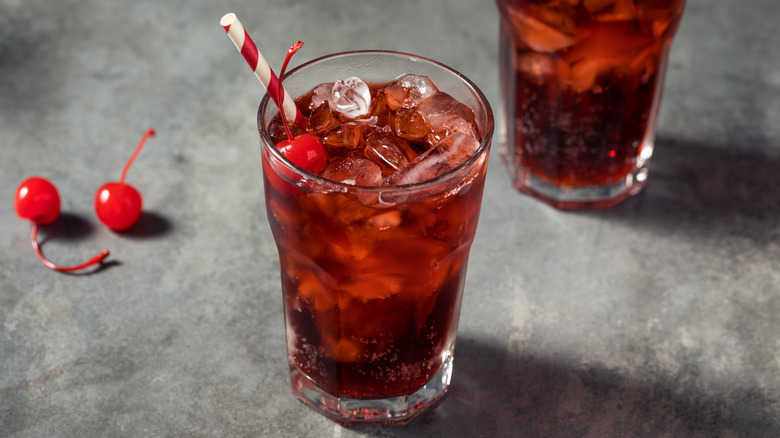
305 151
118 204
38 201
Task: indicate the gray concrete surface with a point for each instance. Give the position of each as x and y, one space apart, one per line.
656 319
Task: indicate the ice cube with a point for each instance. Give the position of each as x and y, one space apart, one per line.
434 282
341 209
644 65
347 350
584 73
278 133
443 157
410 125
620 10
380 109
386 221
444 115
351 98
537 34
348 97
608 40
408 90
322 93
559 16
626 9
284 217
540 68
346 136
535 66
658 20
607 47
312 287
373 286
322 119
355 171
367 123
387 152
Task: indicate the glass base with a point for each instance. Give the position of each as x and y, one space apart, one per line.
351 411
581 197
584 198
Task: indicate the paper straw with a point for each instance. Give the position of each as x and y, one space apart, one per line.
259 65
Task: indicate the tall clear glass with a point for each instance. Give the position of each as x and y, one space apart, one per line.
373 277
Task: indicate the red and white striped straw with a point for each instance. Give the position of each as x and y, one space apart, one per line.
260 66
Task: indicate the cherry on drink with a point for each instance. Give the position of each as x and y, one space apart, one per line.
305 150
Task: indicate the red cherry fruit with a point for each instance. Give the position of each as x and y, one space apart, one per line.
37 200
305 151
277 182
118 204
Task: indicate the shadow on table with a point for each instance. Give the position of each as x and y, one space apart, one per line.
150 224
70 227
703 189
67 227
496 394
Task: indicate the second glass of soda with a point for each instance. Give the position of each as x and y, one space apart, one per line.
581 85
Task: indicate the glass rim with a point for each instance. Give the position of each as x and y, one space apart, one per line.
344 187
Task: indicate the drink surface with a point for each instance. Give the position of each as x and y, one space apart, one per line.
405 131
583 81
372 282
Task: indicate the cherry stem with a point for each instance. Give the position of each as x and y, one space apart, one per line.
93 261
280 98
149 133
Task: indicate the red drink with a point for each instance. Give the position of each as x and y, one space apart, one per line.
373 271
582 83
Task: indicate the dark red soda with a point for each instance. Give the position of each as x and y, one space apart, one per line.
582 82
372 286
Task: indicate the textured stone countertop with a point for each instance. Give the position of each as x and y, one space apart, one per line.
659 318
